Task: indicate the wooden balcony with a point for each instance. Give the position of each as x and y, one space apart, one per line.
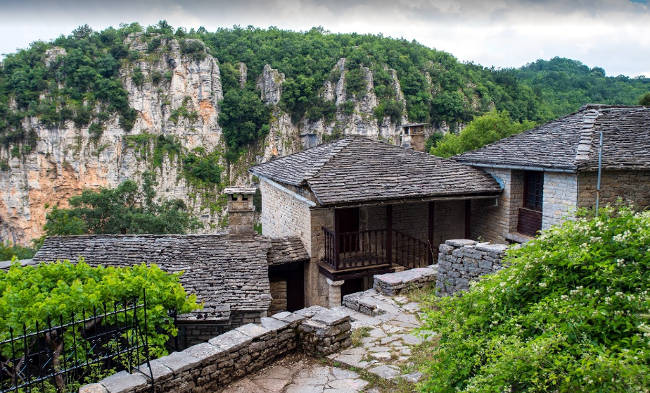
356 254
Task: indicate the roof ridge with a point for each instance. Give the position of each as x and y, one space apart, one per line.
583 149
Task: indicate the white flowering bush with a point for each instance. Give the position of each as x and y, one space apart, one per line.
568 315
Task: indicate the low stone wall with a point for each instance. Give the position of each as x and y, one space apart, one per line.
210 366
391 284
461 261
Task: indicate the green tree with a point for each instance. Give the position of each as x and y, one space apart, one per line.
645 100
9 251
244 119
34 296
484 129
563 316
126 209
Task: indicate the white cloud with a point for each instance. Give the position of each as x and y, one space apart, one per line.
612 34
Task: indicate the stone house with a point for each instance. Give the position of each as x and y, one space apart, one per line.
239 277
551 170
363 207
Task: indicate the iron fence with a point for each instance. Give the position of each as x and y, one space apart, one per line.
63 354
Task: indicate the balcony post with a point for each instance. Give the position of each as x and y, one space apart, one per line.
389 234
337 239
432 218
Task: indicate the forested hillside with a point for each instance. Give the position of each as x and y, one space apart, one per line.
197 108
562 85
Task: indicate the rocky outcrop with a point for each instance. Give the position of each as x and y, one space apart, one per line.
178 98
67 160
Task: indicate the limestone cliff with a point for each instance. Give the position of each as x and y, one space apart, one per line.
178 97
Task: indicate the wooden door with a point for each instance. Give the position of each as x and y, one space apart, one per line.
347 229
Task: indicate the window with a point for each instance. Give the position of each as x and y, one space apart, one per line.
533 190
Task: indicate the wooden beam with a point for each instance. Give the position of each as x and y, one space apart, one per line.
389 234
431 223
468 214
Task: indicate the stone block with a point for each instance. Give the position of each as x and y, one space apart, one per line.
252 330
330 317
270 323
124 382
179 361
492 248
231 341
158 370
205 352
460 242
93 388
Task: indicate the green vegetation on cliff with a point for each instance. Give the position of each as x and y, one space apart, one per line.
83 83
127 209
569 314
484 129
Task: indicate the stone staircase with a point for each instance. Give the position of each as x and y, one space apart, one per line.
387 320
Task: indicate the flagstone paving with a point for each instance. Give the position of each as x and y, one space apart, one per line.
382 345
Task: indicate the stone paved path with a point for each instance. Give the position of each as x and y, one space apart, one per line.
386 337
382 345
300 374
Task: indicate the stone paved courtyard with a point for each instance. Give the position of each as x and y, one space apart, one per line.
383 338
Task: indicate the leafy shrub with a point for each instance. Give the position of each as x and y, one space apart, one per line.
390 108
153 44
193 48
203 168
244 119
645 100
156 77
355 83
563 317
8 251
38 296
95 130
127 209
137 77
484 129
347 107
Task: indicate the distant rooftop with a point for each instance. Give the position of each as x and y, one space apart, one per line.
226 274
570 143
358 169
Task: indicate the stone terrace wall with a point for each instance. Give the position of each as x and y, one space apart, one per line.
210 366
461 261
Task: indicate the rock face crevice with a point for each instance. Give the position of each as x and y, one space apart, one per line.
178 98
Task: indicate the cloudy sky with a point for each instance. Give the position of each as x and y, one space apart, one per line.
613 34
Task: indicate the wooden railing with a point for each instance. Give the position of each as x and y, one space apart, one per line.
349 250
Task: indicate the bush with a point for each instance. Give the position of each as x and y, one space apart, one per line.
244 119
563 317
484 129
38 296
127 209
355 83
8 251
645 100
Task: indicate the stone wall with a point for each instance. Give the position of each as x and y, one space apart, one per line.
210 366
631 186
461 261
560 198
316 288
284 215
493 221
279 296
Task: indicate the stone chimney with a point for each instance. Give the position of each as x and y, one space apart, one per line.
413 136
241 211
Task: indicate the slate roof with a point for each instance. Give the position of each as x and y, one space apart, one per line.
226 273
287 250
357 169
570 143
